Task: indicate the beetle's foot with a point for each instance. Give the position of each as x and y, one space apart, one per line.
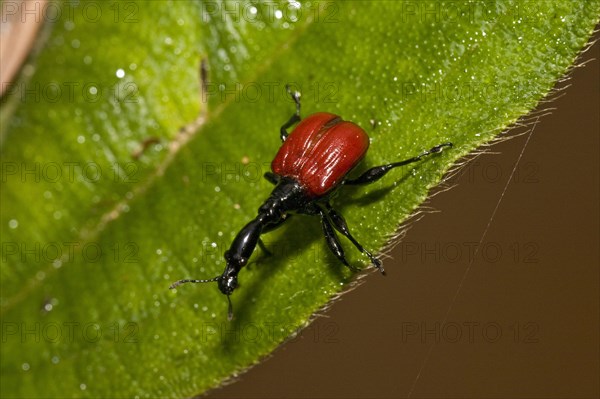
378 265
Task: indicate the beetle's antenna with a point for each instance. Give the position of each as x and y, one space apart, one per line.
229 309
179 282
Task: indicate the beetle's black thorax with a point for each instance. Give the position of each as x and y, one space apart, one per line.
287 196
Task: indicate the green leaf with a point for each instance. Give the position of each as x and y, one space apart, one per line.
94 229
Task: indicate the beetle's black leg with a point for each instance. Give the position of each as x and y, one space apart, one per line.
271 177
340 224
333 242
330 236
262 246
377 172
294 118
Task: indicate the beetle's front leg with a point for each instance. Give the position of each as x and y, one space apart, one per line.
340 224
263 247
333 242
294 118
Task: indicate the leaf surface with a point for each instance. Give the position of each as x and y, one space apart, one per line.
118 178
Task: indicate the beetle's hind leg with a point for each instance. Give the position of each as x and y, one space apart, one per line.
294 118
340 224
377 172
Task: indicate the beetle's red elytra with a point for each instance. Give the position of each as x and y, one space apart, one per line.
320 152
312 163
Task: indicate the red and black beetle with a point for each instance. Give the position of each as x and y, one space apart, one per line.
312 163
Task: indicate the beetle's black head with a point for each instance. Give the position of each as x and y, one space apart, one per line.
227 282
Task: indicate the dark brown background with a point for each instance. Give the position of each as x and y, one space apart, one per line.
533 308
